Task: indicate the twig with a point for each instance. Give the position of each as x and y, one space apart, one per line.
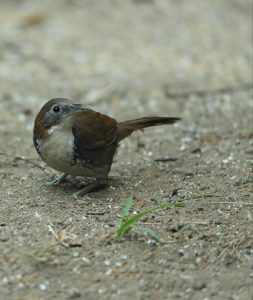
150 223
204 196
234 203
25 159
166 159
64 238
96 212
184 223
51 229
232 248
196 223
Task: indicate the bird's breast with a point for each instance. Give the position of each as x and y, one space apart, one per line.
57 150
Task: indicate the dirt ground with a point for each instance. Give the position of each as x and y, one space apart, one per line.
190 59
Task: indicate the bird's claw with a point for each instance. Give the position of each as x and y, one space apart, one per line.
57 181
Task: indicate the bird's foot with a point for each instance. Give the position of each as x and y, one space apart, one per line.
96 185
57 181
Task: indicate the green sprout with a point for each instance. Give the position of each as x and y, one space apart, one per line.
126 222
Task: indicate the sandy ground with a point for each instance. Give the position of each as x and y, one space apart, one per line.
191 59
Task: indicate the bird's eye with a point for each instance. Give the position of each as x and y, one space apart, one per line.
56 109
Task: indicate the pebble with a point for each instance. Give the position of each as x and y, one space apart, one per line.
43 287
198 285
73 293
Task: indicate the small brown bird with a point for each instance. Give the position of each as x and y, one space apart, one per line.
77 140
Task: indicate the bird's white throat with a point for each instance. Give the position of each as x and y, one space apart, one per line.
52 129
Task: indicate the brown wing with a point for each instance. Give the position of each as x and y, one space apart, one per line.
93 134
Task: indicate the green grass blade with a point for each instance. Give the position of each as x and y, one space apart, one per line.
125 224
178 204
125 211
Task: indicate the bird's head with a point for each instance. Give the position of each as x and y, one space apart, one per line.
52 114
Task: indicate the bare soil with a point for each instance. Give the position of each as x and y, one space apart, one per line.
191 59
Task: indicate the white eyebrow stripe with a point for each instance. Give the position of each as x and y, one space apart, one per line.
52 129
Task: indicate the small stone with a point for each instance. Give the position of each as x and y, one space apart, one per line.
43 287
107 262
73 293
198 285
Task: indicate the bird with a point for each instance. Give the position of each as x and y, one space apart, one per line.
78 140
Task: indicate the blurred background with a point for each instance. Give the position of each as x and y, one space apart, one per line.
124 57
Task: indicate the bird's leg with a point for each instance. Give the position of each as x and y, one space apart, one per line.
97 184
58 180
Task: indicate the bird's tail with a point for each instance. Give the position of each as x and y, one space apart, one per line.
128 127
